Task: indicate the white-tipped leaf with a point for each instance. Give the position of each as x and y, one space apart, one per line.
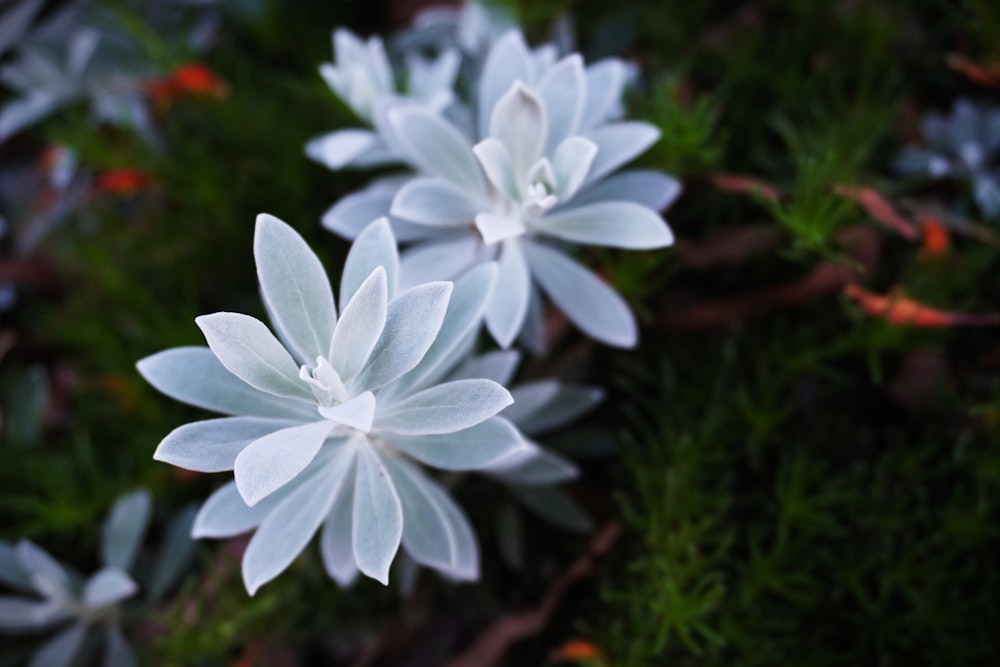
248 350
520 123
377 520
268 463
357 413
294 287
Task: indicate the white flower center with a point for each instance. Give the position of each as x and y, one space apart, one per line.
325 382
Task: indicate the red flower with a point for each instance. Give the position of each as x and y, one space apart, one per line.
122 182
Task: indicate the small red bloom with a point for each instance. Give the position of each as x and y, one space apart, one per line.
193 79
937 242
902 311
122 182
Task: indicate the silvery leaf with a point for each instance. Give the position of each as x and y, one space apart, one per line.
349 216
508 304
444 408
20 113
226 514
270 462
290 526
357 412
413 322
540 468
616 224
335 544
294 287
427 534
651 189
438 260
617 144
499 366
605 82
571 163
438 148
194 375
62 649
585 299
176 553
563 89
554 505
377 521
108 586
498 164
342 148
570 403
125 528
480 446
466 566
19 614
361 324
375 246
117 651
11 572
249 351
48 576
519 121
15 21
530 398
213 445
434 202
508 61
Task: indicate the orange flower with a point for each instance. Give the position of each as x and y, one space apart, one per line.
582 651
902 311
936 239
193 79
122 182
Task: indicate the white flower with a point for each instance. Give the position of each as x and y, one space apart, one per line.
362 77
330 425
83 608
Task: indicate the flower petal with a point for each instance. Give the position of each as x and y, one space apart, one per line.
212 445
605 82
464 314
520 123
340 149
374 246
194 375
475 448
571 163
290 526
357 413
360 326
439 260
444 408
427 534
498 366
508 306
61 650
618 224
226 514
438 148
335 540
412 324
294 287
562 90
250 352
582 296
508 61
651 189
617 143
377 520
122 533
268 463
435 202
108 586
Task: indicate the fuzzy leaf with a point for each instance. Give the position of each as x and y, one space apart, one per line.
377 521
268 463
475 448
125 528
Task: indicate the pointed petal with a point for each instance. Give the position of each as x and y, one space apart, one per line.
570 403
508 306
435 202
250 352
475 448
125 528
377 521
445 408
62 649
226 514
375 246
335 540
499 366
618 143
268 463
412 324
438 148
496 228
583 297
360 326
439 260
562 90
571 163
529 398
290 526
340 149
520 123
213 445
294 287
508 61
107 587
194 375
349 216
463 317
358 412
651 189
427 534
619 224
605 83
